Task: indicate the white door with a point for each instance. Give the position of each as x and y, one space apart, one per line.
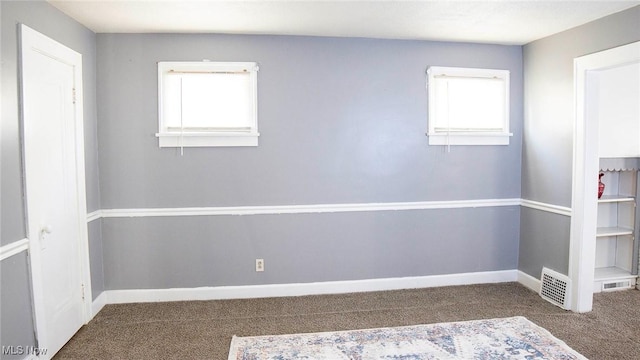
56 215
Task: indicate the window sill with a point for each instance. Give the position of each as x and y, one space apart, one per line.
218 139
470 138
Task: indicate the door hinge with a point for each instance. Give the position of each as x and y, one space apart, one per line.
73 94
82 292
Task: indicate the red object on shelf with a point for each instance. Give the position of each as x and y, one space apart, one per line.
600 185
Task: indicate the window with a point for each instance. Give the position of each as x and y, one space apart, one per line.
468 106
207 104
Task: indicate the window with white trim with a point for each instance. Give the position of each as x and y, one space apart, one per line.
468 106
207 104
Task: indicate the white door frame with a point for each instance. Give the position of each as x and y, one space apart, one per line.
31 40
584 203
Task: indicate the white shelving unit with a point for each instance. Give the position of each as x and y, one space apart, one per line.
616 261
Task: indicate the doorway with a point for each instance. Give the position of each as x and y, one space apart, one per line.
582 249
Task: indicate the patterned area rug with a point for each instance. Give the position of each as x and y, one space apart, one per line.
508 338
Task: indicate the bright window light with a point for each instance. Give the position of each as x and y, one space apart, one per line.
468 106
207 104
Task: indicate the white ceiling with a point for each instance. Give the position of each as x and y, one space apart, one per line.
489 21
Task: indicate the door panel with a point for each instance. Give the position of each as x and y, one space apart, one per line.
51 168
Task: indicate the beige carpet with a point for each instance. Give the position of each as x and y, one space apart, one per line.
203 329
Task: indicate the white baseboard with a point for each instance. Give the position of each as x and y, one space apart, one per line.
529 281
98 304
301 289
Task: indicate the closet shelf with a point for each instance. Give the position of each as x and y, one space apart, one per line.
611 272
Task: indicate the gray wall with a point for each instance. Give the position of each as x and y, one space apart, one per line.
546 250
16 322
96 258
185 252
341 121
547 154
39 15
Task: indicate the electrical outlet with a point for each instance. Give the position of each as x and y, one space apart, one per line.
259 264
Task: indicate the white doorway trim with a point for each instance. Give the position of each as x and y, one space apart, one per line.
582 249
30 41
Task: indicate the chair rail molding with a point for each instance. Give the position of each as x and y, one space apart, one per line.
300 209
325 208
13 248
556 209
94 215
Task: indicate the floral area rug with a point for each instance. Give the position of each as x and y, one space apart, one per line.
508 338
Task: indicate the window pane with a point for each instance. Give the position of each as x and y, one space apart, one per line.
209 101
469 104
171 107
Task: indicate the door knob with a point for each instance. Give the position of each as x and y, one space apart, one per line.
45 230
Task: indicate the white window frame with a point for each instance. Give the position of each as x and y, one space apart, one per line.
472 137
186 137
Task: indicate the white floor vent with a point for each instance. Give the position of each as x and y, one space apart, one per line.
555 288
618 285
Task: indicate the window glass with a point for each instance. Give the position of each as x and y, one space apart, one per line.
207 100
468 106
